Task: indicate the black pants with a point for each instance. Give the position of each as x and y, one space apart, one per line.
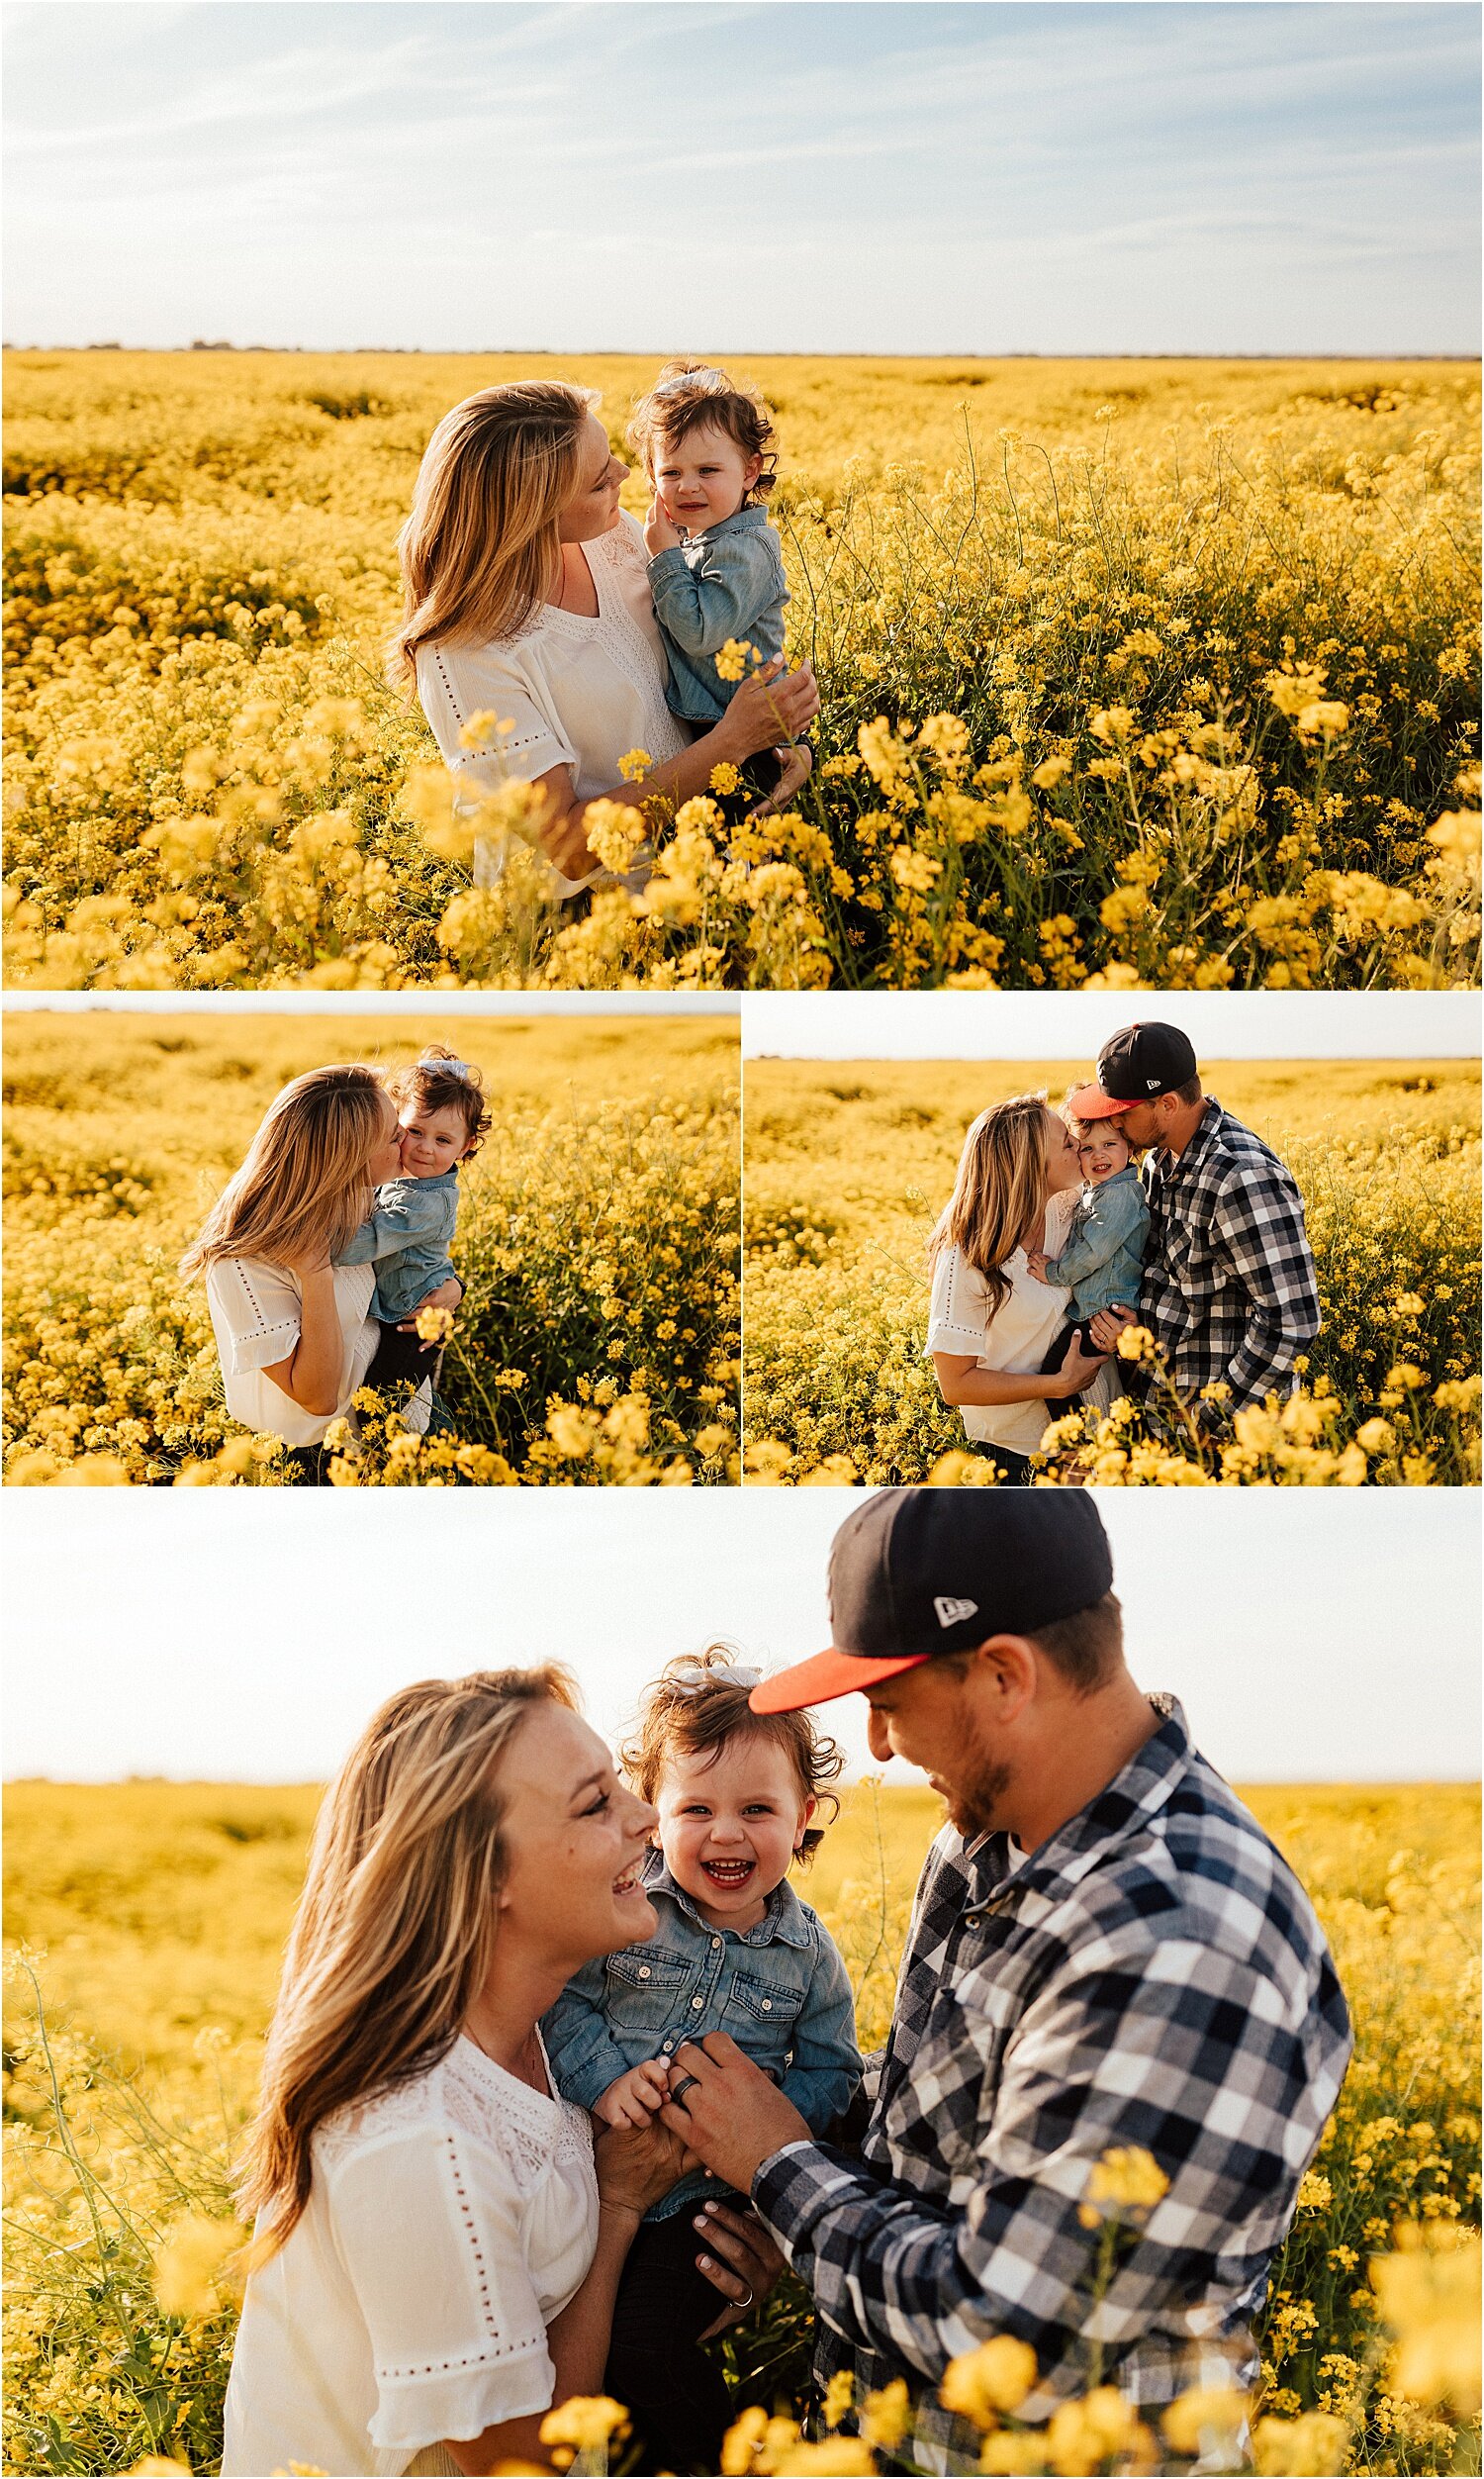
401 1359
675 2395
1014 1469
1078 1331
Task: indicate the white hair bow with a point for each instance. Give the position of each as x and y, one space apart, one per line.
690 378
447 1067
691 1677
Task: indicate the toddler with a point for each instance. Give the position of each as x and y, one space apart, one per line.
1102 1263
716 566
734 1950
443 1120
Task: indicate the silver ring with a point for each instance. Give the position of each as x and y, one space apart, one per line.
750 2300
679 2090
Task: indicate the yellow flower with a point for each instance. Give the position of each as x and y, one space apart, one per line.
1205 2421
189 2266
886 2416
724 778
984 2382
1127 2180
839 2398
733 660
1430 2295
1310 2447
586 2423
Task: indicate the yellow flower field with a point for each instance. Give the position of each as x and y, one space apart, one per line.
147 1923
1135 673
598 1243
848 1164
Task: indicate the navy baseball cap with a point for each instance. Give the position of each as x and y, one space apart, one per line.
914 1572
1138 1063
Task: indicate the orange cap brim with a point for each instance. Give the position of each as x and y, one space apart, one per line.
1089 1101
825 1677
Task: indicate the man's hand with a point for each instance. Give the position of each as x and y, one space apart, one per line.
730 2114
631 2099
1109 1323
659 533
447 1296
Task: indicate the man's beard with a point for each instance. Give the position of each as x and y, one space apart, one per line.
975 1803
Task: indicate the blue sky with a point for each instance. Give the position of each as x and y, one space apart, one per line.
752 175
1312 1635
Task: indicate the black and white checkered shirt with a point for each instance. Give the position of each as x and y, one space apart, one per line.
1229 1286
1153 1975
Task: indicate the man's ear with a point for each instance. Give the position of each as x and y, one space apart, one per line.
1008 1670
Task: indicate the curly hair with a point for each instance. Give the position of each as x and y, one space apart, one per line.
441 1080
696 1706
689 394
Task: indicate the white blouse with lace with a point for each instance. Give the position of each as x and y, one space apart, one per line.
448 2221
256 1313
577 693
1019 1336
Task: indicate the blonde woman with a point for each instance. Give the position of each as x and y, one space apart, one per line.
990 1322
439 2239
294 1330
526 599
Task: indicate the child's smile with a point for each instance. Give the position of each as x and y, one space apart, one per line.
730 1821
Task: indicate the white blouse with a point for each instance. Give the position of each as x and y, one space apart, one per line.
578 693
256 1316
1018 1337
449 2219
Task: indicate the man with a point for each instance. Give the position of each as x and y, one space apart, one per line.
1228 1290
1106 1953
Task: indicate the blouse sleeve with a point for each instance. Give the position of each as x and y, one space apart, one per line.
260 1308
428 2230
455 683
956 1313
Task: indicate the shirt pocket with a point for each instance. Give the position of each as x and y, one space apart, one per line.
760 2014
645 1988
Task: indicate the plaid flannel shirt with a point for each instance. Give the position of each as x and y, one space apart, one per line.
1153 1974
1228 1284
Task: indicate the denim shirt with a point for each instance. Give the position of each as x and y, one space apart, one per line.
407 1240
780 1989
726 583
1103 1260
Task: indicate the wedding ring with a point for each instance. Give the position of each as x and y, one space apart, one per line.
679 2090
750 2300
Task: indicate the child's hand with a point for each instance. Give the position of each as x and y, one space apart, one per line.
659 533
1038 1261
633 2099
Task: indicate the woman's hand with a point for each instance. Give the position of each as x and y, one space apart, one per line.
743 2265
659 533
447 1296
1077 1369
774 705
797 759
637 2164
730 2113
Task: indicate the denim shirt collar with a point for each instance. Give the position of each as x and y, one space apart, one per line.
1120 1810
742 520
782 1920
434 1179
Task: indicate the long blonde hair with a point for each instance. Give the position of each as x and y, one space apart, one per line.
396 1921
305 1181
481 547
1000 1189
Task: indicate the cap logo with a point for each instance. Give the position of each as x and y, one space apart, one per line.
951 1611
1151 1083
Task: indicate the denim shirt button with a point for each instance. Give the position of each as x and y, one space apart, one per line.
644 1972
767 2005
716 1941
695 2004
